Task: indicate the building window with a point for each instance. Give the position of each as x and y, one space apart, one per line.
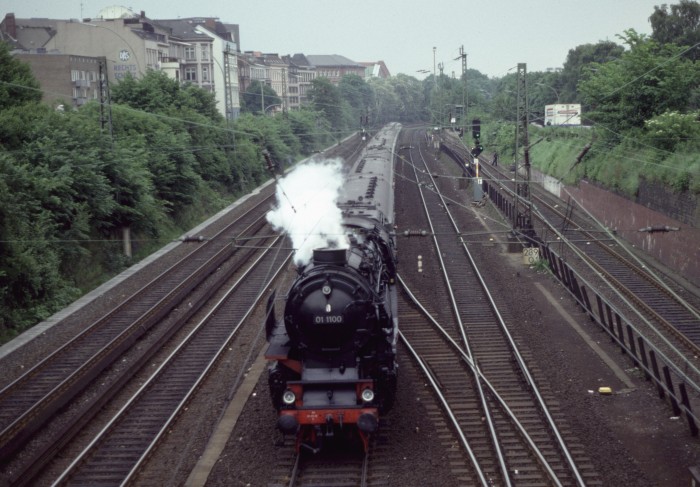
191 73
205 52
205 73
74 75
190 53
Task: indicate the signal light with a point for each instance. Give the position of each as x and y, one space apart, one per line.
477 150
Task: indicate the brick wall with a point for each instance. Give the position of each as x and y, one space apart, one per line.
679 206
655 206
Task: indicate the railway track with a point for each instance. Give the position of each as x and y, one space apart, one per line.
631 277
332 468
490 415
34 399
653 304
650 306
115 455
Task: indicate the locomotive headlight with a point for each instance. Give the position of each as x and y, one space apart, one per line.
367 395
288 397
326 289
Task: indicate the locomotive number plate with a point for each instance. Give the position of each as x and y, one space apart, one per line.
328 319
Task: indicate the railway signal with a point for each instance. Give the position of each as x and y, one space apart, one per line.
476 130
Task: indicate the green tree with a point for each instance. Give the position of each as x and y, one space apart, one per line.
408 91
325 98
153 93
31 285
157 93
647 80
266 133
388 106
257 94
577 61
678 24
17 83
201 101
359 97
303 125
17 124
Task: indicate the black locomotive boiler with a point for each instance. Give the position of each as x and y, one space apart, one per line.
333 353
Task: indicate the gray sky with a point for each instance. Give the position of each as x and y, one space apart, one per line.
496 34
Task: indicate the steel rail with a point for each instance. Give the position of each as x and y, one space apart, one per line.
448 411
484 403
540 401
140 393
492 389
511 341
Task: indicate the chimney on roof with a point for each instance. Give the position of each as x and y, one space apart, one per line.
10 25
143 14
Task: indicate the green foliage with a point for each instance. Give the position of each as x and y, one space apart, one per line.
541 266
302 123
678 24
157 93
359 98
325 98
256 95
647 80
388 104
17 123
30 281
17 83
578 61
670 130
617 166
69 187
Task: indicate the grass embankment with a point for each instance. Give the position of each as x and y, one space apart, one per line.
618 166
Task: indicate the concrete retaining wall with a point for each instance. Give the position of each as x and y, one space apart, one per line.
680 251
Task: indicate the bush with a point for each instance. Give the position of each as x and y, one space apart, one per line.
670 130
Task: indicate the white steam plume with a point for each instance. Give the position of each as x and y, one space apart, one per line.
307 208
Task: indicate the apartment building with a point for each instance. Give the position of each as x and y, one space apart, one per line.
67 79
203 51
334 67
301 74
200 51
251 67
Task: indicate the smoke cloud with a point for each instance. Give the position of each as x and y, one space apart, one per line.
307 208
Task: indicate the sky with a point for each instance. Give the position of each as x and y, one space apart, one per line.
408 35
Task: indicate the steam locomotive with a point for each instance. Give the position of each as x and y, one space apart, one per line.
333 364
